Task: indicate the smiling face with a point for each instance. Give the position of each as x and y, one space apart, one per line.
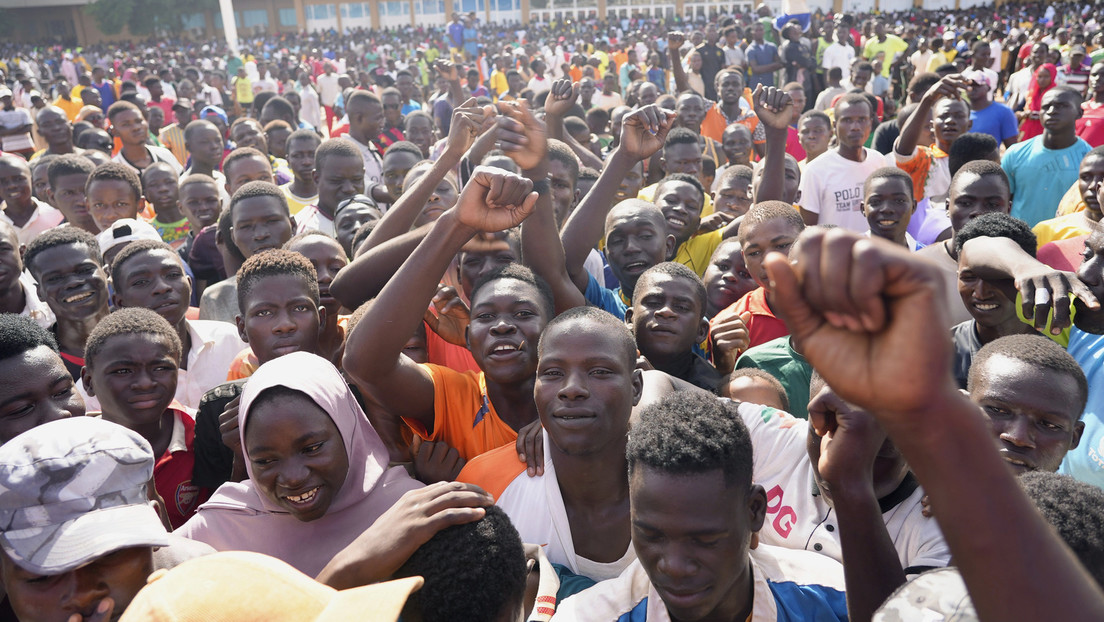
888 206
54 126
737 144
726 278
666 316
585 389
1032 411
154 280
280 317
15 182
507 318
110 200
37 390
71 282
298 458
200 204
681 203
260 223
697 559
134 376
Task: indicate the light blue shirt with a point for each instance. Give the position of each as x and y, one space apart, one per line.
1086 462
1040 176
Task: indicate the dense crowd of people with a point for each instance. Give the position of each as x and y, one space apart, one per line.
748 317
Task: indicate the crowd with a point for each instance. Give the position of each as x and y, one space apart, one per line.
753 317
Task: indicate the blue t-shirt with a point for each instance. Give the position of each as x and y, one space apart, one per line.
604 298
996 120
761 55
1040 176
456 33
1086 462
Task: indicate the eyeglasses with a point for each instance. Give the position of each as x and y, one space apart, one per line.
356 198
392 106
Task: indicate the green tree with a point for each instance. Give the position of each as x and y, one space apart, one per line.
144 17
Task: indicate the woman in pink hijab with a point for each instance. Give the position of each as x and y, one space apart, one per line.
318 472
1042 80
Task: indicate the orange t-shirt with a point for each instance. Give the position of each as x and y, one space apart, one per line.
463 414
493 471
576 73
448 354
764 325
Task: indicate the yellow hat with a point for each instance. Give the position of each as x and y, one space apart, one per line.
242 587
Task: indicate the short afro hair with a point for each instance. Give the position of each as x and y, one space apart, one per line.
770 210
970 147
680 136
60 236
848 99
521 273
136 248
683 177
19 334
305 135
334 147
404 146
281 108
888 172
674 270
130 321
1075 510
275 262
240 154
1035 350
122 106
473 572
759 374
68 164
115 171
198 178
594 318
195 126
736 171
560 152
982 168
259 189
692 432
997 225
815 114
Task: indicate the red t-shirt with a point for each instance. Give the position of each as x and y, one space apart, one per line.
172 474
764 326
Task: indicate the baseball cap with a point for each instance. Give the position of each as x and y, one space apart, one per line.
74 490
125 231
5 91
240 585
184 103
215 110
949 35
977 76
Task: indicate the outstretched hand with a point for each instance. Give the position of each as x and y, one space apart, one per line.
521 135
469 121
949 86
495 200
773 107
866 314
447 70
561 98
644 130
449 316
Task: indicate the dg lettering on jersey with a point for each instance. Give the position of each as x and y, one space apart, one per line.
784 515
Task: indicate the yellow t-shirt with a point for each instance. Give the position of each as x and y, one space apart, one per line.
647 193
1061 228
1071 201
244 88
498 83
696 252
297 203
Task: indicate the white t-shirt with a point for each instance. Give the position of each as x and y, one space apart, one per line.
44 217
832 186
11 119
328 89
837 55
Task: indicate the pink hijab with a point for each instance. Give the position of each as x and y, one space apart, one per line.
238 517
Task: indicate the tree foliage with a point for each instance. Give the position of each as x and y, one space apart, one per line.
144 17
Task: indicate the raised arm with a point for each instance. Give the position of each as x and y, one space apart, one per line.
774 109
561 98
876 317
493 200
910 134
642 134
369 271
675 39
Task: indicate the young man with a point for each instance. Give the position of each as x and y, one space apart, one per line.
68 176
472 412
587 384
56 129
949 119
668 321
338 175
989 298
206 148
694 515
67 265
113 192
987 116
160 187
1040 169
727 278
22 211
96 501
399 158
131 367
888 205
831 186
148 274
129 125
681 153
302 190
365 111
814 132
39 388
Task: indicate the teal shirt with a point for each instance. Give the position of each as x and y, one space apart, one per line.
778 358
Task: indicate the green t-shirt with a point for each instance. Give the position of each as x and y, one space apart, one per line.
778 358
173 233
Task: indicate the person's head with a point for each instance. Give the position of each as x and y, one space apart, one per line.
510 306
38 388
979 187
204 143
690 111
54 126
399 158
1033 393
563 175
198 199
259 218
365 115
950 119
153 84
587 382
278 109
278 304
244 165
854 117
693 507
814 132
972 146
418 127
276 135
128 124
681 153
338 171
443 198
587 89
113 191
636 238
768 227
1090 180
130 365
861 73
352 213
81 530
183 112
1061 108
68 176
681 198
300 148
327 257
248 132
730 85
754 386
40 177
1074 509
726 277
15 182
737 144
791 181
992 301
160 187
668 312
485 253
888 203
734 190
